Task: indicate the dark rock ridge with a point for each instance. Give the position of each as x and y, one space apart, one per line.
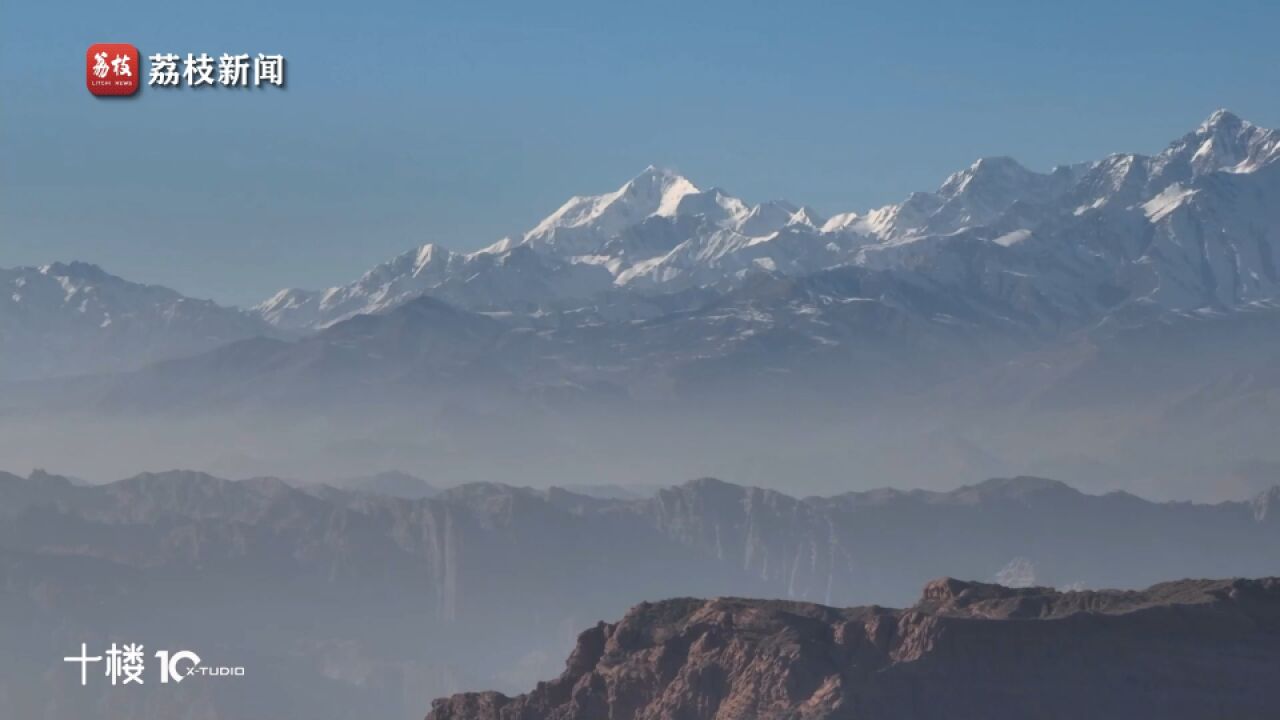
1191 649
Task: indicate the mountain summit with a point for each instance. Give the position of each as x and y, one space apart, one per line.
584 223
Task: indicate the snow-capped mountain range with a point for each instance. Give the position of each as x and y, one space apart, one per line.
71 318
1192 227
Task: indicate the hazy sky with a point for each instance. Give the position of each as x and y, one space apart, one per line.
459 122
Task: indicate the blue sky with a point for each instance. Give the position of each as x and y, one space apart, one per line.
459 122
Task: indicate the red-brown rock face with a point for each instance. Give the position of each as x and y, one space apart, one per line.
1191 649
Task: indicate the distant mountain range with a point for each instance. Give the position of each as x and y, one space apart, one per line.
1116 323
75 318
484 585
1186 650
1193 228
391 483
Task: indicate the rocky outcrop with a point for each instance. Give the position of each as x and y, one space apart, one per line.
1193 649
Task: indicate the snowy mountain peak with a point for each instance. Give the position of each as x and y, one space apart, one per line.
715 205
767 218
989 173
654 175
1223 142
497 248
806 215
1222 119
426 255
584 223
76 270
660 184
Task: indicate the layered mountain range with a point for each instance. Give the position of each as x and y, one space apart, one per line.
347 603
1192 228
1192 649
1068 323
1115 323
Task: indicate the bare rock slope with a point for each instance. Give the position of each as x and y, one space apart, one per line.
1193 649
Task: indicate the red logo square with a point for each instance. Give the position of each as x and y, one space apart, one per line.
112 69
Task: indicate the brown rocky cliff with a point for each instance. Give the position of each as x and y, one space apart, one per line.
1184 650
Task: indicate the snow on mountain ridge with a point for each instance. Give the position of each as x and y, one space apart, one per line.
67 318
1194 227
660 232
604 232
586 221
1227 142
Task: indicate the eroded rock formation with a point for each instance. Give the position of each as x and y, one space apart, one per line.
1193 649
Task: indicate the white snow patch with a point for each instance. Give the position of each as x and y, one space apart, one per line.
1166 202
1013 238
